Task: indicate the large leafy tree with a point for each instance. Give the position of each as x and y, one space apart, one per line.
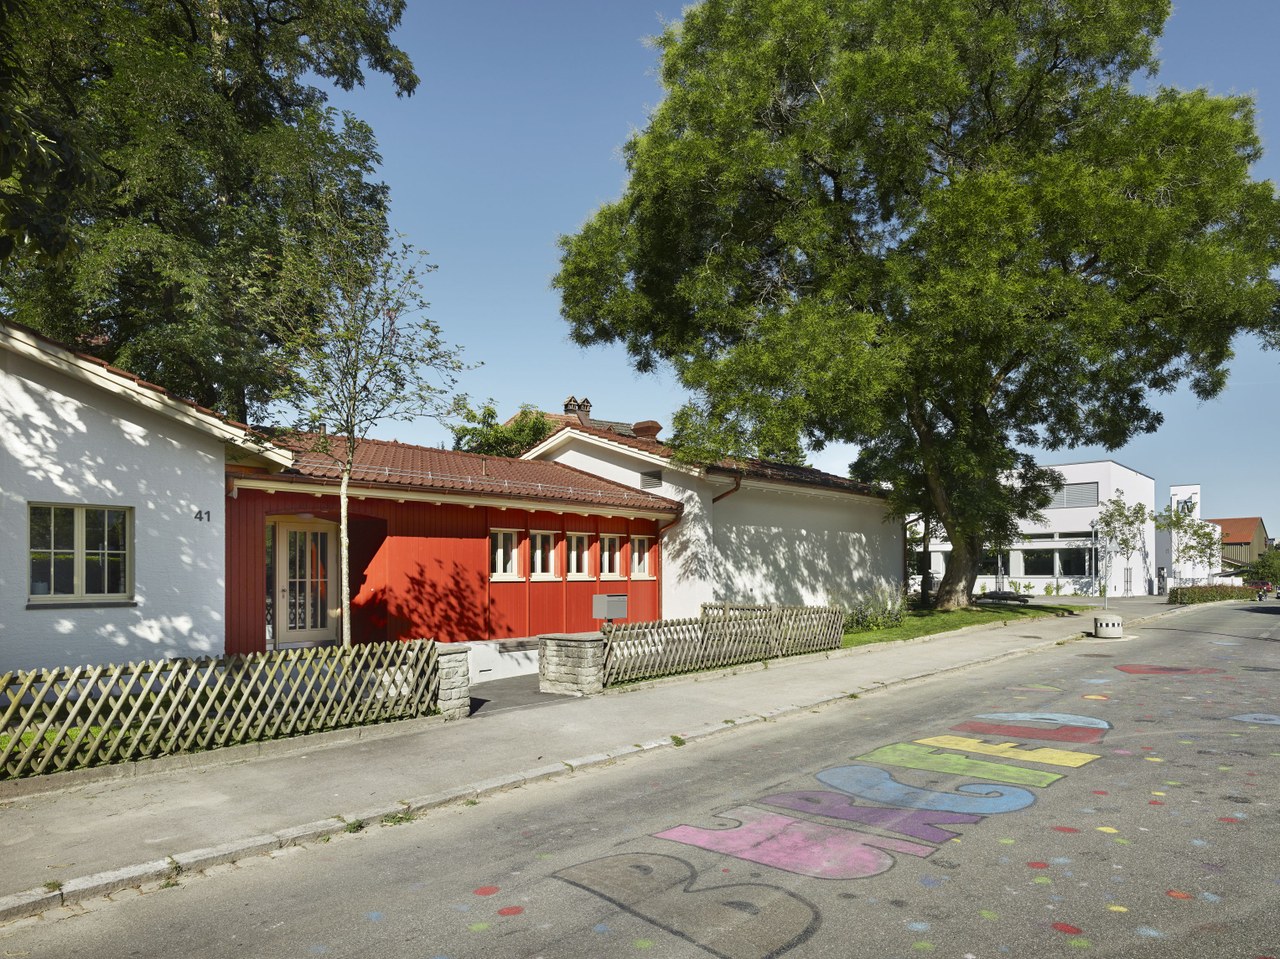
948 231
480 430
212 149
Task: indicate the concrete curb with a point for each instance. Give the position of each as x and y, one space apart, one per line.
32 902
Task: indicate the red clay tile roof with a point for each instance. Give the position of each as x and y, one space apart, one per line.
1239 529
749 469
388 464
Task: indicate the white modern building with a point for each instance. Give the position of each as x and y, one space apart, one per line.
750 532
1185 498
1062 554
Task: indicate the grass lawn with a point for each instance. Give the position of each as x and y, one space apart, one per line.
926 622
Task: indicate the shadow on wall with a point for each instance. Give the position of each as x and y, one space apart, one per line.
58 449
689 556
448 603
803 567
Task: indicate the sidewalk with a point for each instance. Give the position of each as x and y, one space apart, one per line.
92 837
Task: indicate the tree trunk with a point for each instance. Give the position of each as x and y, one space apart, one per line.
956 588
344 556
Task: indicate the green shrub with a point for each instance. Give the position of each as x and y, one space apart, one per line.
880 611
1183 595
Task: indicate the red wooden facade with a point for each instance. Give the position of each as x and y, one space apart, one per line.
421 570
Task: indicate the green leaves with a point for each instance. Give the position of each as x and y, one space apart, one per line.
211 155
937 229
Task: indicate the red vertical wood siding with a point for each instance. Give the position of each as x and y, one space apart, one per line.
422 571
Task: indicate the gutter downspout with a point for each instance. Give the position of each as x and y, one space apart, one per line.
737 485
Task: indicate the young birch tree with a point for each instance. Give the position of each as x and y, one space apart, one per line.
370 357
1123 527
1193 541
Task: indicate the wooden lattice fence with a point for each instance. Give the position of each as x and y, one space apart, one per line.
53 720
724 635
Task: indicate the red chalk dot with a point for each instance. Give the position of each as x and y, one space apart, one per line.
510 910
1227 819
1068 929
1178 894
1065 829
1101 792
1155 802
1148 748
1038 865
485 890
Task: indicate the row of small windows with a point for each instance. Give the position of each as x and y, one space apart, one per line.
1072 561
504 555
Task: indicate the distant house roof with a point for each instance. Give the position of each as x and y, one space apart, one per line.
756 469
1240 529
36 346
390 466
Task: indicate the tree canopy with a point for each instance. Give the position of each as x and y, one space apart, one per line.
210 152
480 431
947 231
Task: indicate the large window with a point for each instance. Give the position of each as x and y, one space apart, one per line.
79 553
993 564
504 561
1074 562
1037 562
542 555
577 556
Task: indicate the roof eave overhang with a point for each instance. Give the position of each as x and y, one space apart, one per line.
564 437
271 484
248 447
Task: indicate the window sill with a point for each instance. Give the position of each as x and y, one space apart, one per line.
581 578
613 578
644 579
538 578
82 604
506 579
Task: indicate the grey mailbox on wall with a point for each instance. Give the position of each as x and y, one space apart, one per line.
609 606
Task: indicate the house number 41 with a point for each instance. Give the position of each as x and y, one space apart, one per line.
204 516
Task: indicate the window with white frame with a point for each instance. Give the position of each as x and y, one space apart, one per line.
577 564
542 555
79 553
640 557
610 557
504 561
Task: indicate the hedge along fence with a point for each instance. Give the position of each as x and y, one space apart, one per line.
724 635
1212 593
54 720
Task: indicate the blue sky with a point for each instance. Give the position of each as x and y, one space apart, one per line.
515 136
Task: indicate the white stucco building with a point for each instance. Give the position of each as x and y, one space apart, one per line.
751 532
1185 498
1061 552
112 500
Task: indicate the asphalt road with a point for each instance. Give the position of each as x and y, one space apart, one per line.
1135 815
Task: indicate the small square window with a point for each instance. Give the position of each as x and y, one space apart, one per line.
79 553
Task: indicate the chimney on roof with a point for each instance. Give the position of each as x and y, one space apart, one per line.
571 405
584 412
647 429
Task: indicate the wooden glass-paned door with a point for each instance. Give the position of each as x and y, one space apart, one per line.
305 584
